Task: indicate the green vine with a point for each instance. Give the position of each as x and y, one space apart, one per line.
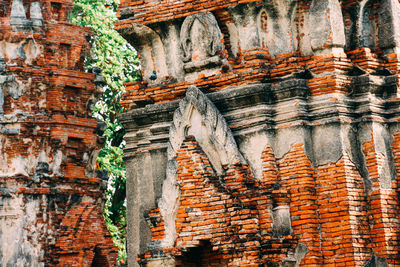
119 64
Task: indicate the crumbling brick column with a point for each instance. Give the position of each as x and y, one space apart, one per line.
51 193
276 121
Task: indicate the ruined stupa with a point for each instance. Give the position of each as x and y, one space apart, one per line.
51 193
263 133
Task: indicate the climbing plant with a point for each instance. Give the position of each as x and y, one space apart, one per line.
119 64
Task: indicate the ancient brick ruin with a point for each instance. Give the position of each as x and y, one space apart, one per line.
263 133
51 199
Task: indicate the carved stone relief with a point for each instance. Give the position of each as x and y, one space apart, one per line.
200 41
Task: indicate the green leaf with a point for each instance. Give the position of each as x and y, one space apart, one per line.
119 64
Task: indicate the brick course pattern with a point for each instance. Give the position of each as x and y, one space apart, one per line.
51 196
263 133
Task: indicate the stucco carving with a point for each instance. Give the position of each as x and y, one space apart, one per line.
213 126
276 28
200 40
195 116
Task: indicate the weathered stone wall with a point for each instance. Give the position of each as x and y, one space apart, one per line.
50 194
263 133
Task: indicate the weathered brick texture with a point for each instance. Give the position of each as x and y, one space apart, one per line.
51 196
268 136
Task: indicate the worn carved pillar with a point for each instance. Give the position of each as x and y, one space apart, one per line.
269 135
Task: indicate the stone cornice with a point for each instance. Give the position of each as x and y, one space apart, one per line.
270 106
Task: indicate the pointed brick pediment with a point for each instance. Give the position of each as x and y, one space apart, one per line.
199 117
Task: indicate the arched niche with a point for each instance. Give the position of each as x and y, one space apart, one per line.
84 239
367 24
373 24
350 20
196 116
277 28
151 50
229 30
244 26
201 256
99 259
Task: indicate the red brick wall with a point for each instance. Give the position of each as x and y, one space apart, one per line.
329 210
233 216
383 208
55 128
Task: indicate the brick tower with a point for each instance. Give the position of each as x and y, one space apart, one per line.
51 198
263 133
